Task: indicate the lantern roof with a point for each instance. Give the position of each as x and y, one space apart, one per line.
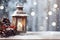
19 14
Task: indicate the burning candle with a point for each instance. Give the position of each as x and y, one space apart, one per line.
19 26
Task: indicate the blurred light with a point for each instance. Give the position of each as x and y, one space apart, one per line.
35 3
32 13
50 13
1 7
53 23
46 17
55 5
54 10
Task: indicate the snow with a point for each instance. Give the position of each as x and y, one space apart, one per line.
37 35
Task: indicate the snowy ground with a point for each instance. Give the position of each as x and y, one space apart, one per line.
36 35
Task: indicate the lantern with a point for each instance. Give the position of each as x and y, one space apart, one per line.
19 19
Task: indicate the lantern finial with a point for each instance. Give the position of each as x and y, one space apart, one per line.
19 5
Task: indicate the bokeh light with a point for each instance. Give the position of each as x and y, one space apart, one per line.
55 5
1 7
46 18
50 13
35 3
32 13
53 23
